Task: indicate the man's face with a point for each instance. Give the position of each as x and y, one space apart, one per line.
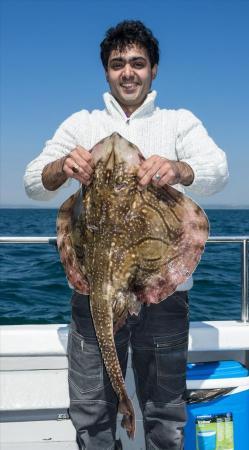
129 75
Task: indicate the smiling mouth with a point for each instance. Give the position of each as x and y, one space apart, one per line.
129 85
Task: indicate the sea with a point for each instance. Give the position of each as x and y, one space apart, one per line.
34 289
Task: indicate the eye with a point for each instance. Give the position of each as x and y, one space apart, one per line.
138 65
117 65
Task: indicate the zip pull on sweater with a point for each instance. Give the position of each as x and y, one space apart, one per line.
115 110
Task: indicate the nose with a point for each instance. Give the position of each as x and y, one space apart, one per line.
127 71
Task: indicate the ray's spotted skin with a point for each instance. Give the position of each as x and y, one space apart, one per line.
124 246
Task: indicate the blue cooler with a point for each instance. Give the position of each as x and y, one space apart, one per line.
218 406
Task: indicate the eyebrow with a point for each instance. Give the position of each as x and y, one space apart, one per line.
133 58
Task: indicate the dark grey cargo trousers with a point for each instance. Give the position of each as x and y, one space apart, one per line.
159 340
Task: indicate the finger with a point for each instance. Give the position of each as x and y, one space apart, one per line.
73 164
163 181
152 165
168 178
81 178
83 164
73 170
80 152
171 176
150 174
146 165
157 177
166 172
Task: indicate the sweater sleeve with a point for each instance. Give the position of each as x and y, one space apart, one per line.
65 139
196 148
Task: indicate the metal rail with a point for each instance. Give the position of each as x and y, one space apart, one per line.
243 240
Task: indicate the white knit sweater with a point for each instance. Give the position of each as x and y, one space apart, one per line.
174 134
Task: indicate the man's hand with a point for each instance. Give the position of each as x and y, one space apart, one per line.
79 165
162 171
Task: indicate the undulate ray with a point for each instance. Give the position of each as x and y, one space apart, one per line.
125 247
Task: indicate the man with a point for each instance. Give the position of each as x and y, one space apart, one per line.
179 152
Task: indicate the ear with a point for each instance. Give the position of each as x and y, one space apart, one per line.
154 71
106 76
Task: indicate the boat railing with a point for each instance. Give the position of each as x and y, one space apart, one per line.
242 240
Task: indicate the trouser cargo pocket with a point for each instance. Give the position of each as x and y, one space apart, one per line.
171 360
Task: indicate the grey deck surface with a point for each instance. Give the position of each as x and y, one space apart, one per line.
55 435
40 445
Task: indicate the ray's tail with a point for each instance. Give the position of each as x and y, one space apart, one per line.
103 324
125 407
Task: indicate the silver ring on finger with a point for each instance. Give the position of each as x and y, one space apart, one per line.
157 176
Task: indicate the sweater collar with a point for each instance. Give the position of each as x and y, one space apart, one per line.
115 110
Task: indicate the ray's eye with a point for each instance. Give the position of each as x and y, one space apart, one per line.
119 186
120 183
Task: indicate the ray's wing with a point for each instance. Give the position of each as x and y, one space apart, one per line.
173 246
69 242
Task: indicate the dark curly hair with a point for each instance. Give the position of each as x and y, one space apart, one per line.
125 34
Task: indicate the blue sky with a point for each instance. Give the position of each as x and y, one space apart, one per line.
50 68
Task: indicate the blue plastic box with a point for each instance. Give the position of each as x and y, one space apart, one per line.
221 423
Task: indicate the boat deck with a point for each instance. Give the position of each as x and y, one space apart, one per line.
49 434
34 401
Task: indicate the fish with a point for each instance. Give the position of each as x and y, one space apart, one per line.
125 246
